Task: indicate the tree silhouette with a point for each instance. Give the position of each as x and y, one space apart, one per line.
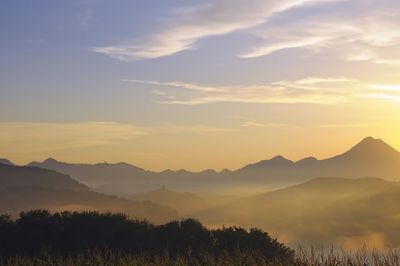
63 233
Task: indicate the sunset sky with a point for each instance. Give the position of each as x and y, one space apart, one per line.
196 84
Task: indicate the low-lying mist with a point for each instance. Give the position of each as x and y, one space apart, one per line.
346 213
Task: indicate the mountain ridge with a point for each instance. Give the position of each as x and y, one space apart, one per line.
368 158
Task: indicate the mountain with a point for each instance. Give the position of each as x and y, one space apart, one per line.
24 188
5 161
183 201
369 158
94 175
186 203
16 199
323 211
16 176
125 179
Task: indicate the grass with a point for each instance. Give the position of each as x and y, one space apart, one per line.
309 257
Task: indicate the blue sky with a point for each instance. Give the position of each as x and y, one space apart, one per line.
151 76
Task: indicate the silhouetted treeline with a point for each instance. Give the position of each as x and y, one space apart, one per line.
41 232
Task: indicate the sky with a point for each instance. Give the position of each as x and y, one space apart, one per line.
191 84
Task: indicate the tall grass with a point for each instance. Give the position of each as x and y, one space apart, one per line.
304 257
341 257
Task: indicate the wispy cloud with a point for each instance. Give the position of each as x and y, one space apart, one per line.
375 26
385 92
212 18
251 122
310 90
182 85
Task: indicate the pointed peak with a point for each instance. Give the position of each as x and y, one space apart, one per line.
370 142
368 139
370 146
50 160
279 158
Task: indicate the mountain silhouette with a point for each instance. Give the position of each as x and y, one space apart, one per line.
369 158
369 149
16 199
24 188
5 161
16 176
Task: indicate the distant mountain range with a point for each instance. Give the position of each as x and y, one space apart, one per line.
369 158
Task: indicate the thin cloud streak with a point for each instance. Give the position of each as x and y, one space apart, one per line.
213 18
182 85
310 90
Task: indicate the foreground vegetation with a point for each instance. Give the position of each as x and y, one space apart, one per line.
41 234
90 238
237 258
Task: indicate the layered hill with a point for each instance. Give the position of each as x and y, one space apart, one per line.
24 188
14 176
323 211
186 203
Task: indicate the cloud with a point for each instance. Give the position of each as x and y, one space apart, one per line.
335 26
212 18
251 122
309 42
385 92
188 86
318 26
310 90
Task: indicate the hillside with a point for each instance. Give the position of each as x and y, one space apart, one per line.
17 199
186 203
25 188
321 211
5 161
14 176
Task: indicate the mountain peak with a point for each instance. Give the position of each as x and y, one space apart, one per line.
372 143
279 158
50 160
371 147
